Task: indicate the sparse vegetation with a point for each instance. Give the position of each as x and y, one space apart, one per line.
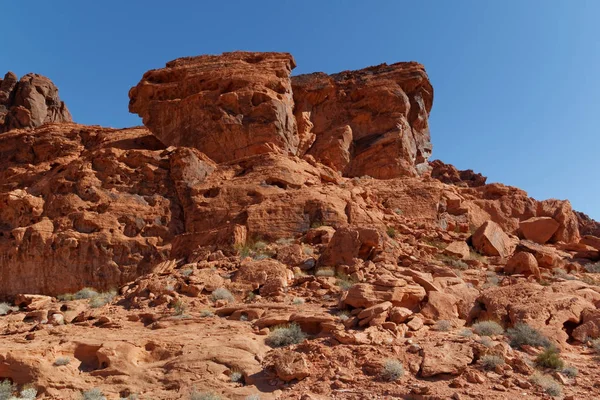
343 315
102 299
222 294
325 271
93 394
317 224
255 249
596 345
491 280
392 370
204 396
547 383
28 393
6 389
442 325
593 268
474 255
398 211
435 243
550 358
488 328
453 261
252 397
523 334
570 371
236 376
85 293
186 272
285 335
206 313
5 308
179 307
62 361
486 341
466 333
297 301
490 362
391 232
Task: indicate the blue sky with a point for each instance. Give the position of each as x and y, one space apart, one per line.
517 82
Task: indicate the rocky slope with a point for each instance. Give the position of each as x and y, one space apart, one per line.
255 200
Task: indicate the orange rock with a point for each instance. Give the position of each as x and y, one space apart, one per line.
539 229
449 358
364 295
459 249
491 240
523 263
440 306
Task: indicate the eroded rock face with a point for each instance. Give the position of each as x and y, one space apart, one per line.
229 106
29 102
372 121
448 173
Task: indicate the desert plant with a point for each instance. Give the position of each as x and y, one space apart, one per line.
491 361
344 281
236 376
392 370
285 335
6 389
325 271
398 211
488 328
101 299
550 358
62 361
186 272
570 371
486 341
298 301
343 315
442 325
523 334
179 307
85 293
222 294
29 393
93 394
204 396
547 383
466 333
593 268
596 345
206 313
5 308
391 232
252 397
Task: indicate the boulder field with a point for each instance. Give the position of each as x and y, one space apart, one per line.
273 236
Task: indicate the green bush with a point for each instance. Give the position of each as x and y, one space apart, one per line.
488 328
391 232
522 334
550 358
392 370
285 335
491 362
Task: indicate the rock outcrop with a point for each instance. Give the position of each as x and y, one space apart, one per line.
29 102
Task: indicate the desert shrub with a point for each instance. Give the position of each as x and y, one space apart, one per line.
93 394
256 249
298 301
398 211
550 358
102 299
547 383
206 313
570 371
186 272
596 345
285 335
285 241
391 232
523 334
466 333
204 396
179 307
236 376
344 281
5 308
6 389
491 280
252 397
392 370
62 361
222 294
491 362
593 268
344 315
474 255
442 325
325 271
486 341
488 328
85 293
29 393
460 264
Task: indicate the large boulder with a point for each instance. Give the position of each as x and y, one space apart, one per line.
373 121
228 106
29 102
539 229
364 295
491 240
523 263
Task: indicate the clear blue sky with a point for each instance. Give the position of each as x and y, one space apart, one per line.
517 82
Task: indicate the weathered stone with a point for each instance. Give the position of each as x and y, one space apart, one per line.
491 240
539 229
523 263
449 358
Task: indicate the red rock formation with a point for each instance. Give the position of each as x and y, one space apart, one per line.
229 106
29 102
587 226
372 121
448 173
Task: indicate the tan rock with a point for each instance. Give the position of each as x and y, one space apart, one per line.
491 240
290 365
364 295
448 358
440 306
523 263
458 249
399 314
